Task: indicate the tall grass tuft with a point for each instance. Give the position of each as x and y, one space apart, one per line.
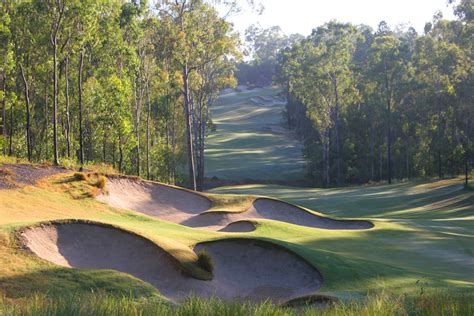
205 261
373 305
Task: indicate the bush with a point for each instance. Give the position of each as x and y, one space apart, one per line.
80 176
205 261
101 182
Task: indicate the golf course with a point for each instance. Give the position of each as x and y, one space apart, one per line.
251 141
236 158
64 231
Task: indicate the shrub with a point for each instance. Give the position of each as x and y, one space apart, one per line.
101 182
80 176
205 261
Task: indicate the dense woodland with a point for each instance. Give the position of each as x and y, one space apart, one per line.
383 104
131 84
125 83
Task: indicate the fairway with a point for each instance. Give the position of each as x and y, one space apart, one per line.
250 141
423 237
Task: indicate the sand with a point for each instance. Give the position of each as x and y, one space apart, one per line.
243 269
162 201
189 209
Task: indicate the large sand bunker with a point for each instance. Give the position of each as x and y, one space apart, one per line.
243 269
165 202
190 209
264 208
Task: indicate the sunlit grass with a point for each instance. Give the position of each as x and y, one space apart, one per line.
376 304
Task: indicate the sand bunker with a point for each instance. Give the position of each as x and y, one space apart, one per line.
264 208
189 209
239 227
165 202
243 269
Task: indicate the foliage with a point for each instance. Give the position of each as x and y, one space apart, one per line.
119 98
377 105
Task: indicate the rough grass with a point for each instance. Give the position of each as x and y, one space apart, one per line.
6 172
103 304
80 176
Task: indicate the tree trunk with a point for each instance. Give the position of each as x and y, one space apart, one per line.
68 117
4 114
148 114
466 168
380 164
138 105
81 131
326 169
27 103
10 147
372 152
407 159
55 103
389 131
189 133
104 147
120 155
336 127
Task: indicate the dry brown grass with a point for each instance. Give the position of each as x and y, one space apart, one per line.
81 176
100 182
6 172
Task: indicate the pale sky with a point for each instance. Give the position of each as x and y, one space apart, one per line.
301 16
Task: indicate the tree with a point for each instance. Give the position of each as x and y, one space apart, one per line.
386 64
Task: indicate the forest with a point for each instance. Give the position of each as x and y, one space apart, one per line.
114 82
131 84
383 104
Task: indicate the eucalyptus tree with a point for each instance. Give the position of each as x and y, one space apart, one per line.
6 66
200 34
386 65
337 42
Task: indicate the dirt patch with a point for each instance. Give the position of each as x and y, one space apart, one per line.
243 269
165 202
22 174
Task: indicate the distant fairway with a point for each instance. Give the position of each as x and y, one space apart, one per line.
250 141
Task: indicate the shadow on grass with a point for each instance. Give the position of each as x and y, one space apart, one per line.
58 281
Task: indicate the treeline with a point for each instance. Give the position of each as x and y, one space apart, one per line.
385 104
120 82
262 47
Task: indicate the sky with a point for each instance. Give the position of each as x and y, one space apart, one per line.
301 16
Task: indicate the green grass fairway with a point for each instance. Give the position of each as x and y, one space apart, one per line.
242 148
424 235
